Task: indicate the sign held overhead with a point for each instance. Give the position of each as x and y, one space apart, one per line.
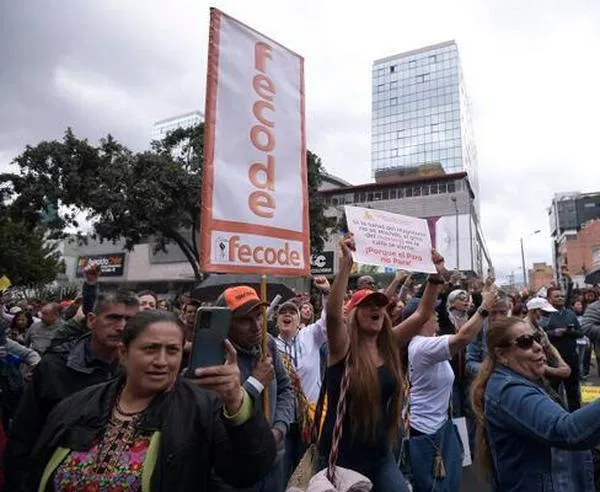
255 190
390 240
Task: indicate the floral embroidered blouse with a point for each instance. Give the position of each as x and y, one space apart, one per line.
113 464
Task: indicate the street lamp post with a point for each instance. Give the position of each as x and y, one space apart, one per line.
457 238
523 260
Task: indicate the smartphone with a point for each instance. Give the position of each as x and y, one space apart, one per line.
211 330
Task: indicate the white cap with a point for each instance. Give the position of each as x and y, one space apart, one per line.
540 303
15 310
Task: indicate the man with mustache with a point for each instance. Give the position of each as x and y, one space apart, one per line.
64 370
259 372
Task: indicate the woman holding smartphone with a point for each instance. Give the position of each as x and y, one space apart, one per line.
152 430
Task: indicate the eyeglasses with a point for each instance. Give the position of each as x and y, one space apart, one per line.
525 342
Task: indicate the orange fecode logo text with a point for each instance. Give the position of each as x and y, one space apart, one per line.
262 174
244 253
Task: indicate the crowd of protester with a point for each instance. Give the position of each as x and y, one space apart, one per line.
94 392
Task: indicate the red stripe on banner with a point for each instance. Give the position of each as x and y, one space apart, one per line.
209 135
243 228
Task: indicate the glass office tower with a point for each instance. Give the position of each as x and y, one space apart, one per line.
421 113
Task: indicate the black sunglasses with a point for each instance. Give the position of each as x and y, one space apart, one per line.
525 342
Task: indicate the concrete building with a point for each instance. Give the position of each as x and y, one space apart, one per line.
421 113
137 269
446 201
568 213
540 275
186 120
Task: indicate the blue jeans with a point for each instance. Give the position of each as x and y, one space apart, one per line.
384 474
422 451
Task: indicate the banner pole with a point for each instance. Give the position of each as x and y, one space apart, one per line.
265 348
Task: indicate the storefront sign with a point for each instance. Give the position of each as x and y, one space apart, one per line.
322 263
111 265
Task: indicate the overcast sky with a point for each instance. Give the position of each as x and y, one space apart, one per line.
531 68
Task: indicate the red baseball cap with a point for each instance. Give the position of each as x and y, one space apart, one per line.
364 295
241 300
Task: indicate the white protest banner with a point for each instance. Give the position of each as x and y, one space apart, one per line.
254 188
390 240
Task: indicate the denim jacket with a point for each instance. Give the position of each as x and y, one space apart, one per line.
477 351
536 445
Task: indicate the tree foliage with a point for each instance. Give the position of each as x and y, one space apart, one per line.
135 197
27 257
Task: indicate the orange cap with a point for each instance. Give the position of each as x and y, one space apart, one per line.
241 300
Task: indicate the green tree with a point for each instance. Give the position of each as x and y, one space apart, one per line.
153 195
27 257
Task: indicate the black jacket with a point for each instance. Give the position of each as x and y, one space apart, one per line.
194 436
63 371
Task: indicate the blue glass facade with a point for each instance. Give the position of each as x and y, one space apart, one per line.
421 113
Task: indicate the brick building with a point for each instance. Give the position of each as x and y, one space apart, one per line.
577 250
568 213
541 275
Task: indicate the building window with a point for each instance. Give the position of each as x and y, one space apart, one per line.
334 201
394 152
380 87
451 187
400 133
393 69
425 190
434 188
356 197
435 128
377 196
420 78
363 197
384 195
412 64
394 101
400 193
370 196
409 192
392 194
416 191
393 84
433 58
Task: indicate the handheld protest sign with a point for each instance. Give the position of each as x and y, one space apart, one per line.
390 240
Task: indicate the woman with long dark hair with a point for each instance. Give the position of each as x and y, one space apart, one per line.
369 344
526 439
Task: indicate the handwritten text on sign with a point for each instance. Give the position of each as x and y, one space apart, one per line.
390 240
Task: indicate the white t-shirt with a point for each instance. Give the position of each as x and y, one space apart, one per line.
305 352
431 379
